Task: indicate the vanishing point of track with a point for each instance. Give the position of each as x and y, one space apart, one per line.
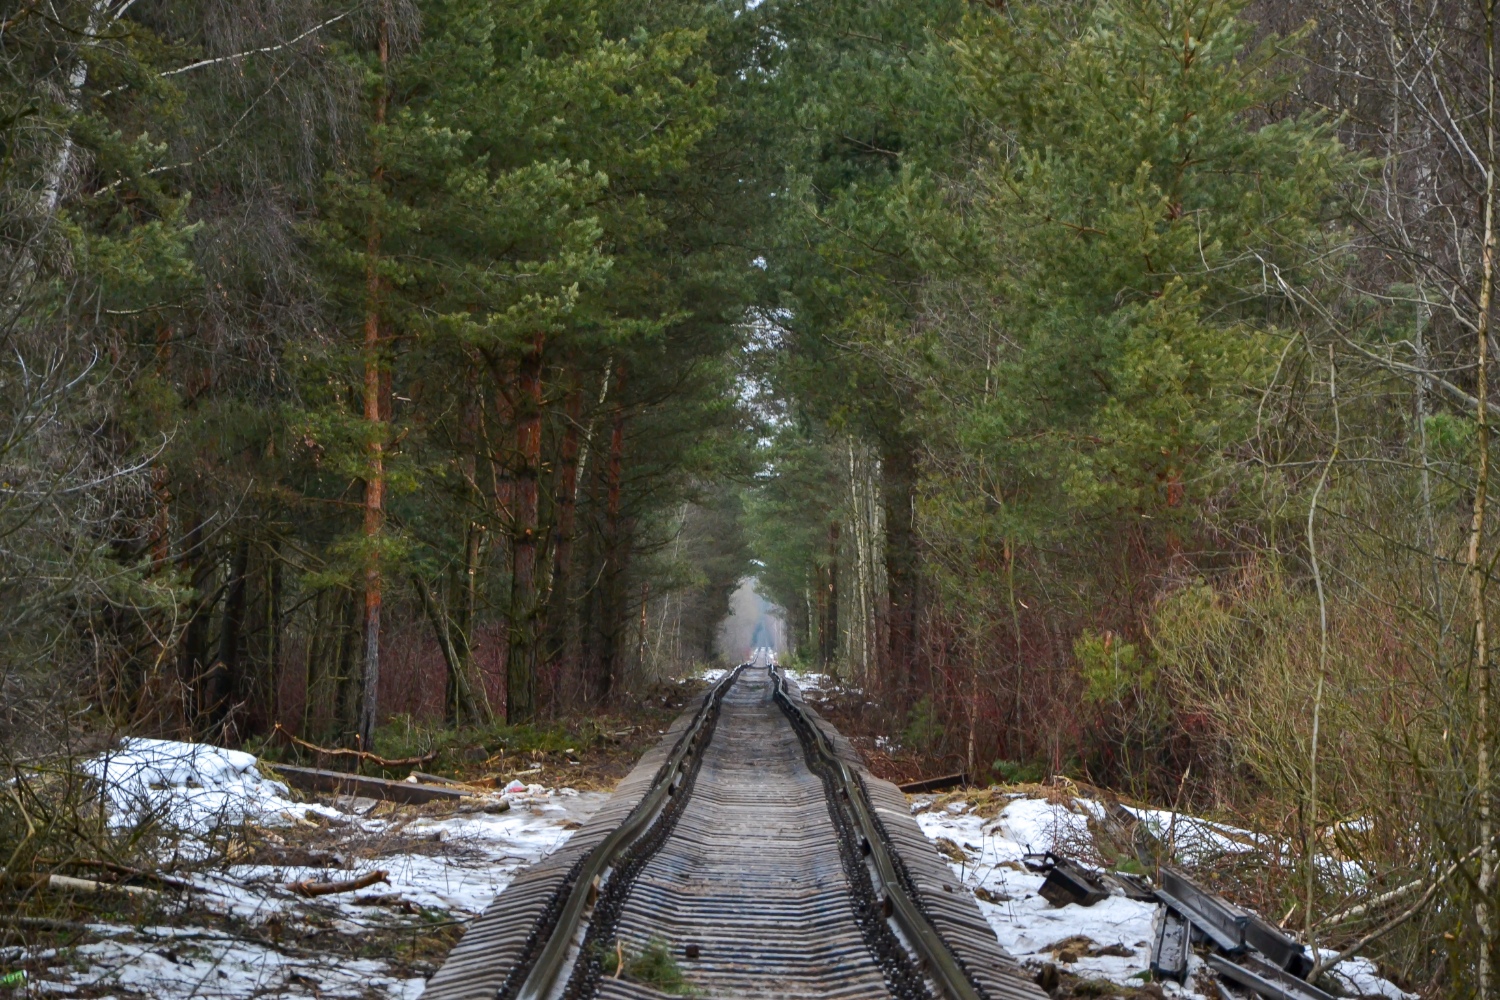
752 844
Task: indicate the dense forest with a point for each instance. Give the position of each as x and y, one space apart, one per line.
1103 388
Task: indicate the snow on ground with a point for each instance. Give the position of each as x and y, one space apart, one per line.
1360 978
190 786
173 963
1197 841
1118 931
481 853
199 788
1194 839
1027 925
809 681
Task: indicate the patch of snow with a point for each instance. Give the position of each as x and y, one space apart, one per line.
1200 841
809 680
190 787
1026 924
1197 840
487 850
197 788
1359 977
169 963
482 853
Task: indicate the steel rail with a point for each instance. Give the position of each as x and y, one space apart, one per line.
937 959
542 977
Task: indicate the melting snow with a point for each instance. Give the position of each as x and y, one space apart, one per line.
197 788
174 963
190 786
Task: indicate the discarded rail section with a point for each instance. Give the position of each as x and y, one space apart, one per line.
751 855
1246 952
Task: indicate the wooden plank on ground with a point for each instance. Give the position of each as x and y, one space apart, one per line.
313 779
935 784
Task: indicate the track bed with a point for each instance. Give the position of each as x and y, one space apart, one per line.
742 844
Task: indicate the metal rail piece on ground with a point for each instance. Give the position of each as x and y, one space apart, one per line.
550 963
924 938
1266 979
1170 946
1232 928
1214 917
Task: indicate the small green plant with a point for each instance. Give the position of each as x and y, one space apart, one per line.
652 966
923 730
1015 772
1111 667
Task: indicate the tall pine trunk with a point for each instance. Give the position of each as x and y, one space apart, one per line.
559 588
899 474
611 611
223 679
374 519
520 670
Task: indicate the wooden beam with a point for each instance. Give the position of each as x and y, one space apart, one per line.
935 784
314 779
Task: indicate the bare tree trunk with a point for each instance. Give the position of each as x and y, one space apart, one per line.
1429 519
375 483
831 640
641 629
1310 840
193 654
1477 570
461 699
466 696
56 173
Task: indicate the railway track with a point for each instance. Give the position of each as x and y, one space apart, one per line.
751 846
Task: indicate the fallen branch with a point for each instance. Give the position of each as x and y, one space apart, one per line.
126 870
1400 892
309 888
379 899
363 755
436 779
67 883
1322 965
